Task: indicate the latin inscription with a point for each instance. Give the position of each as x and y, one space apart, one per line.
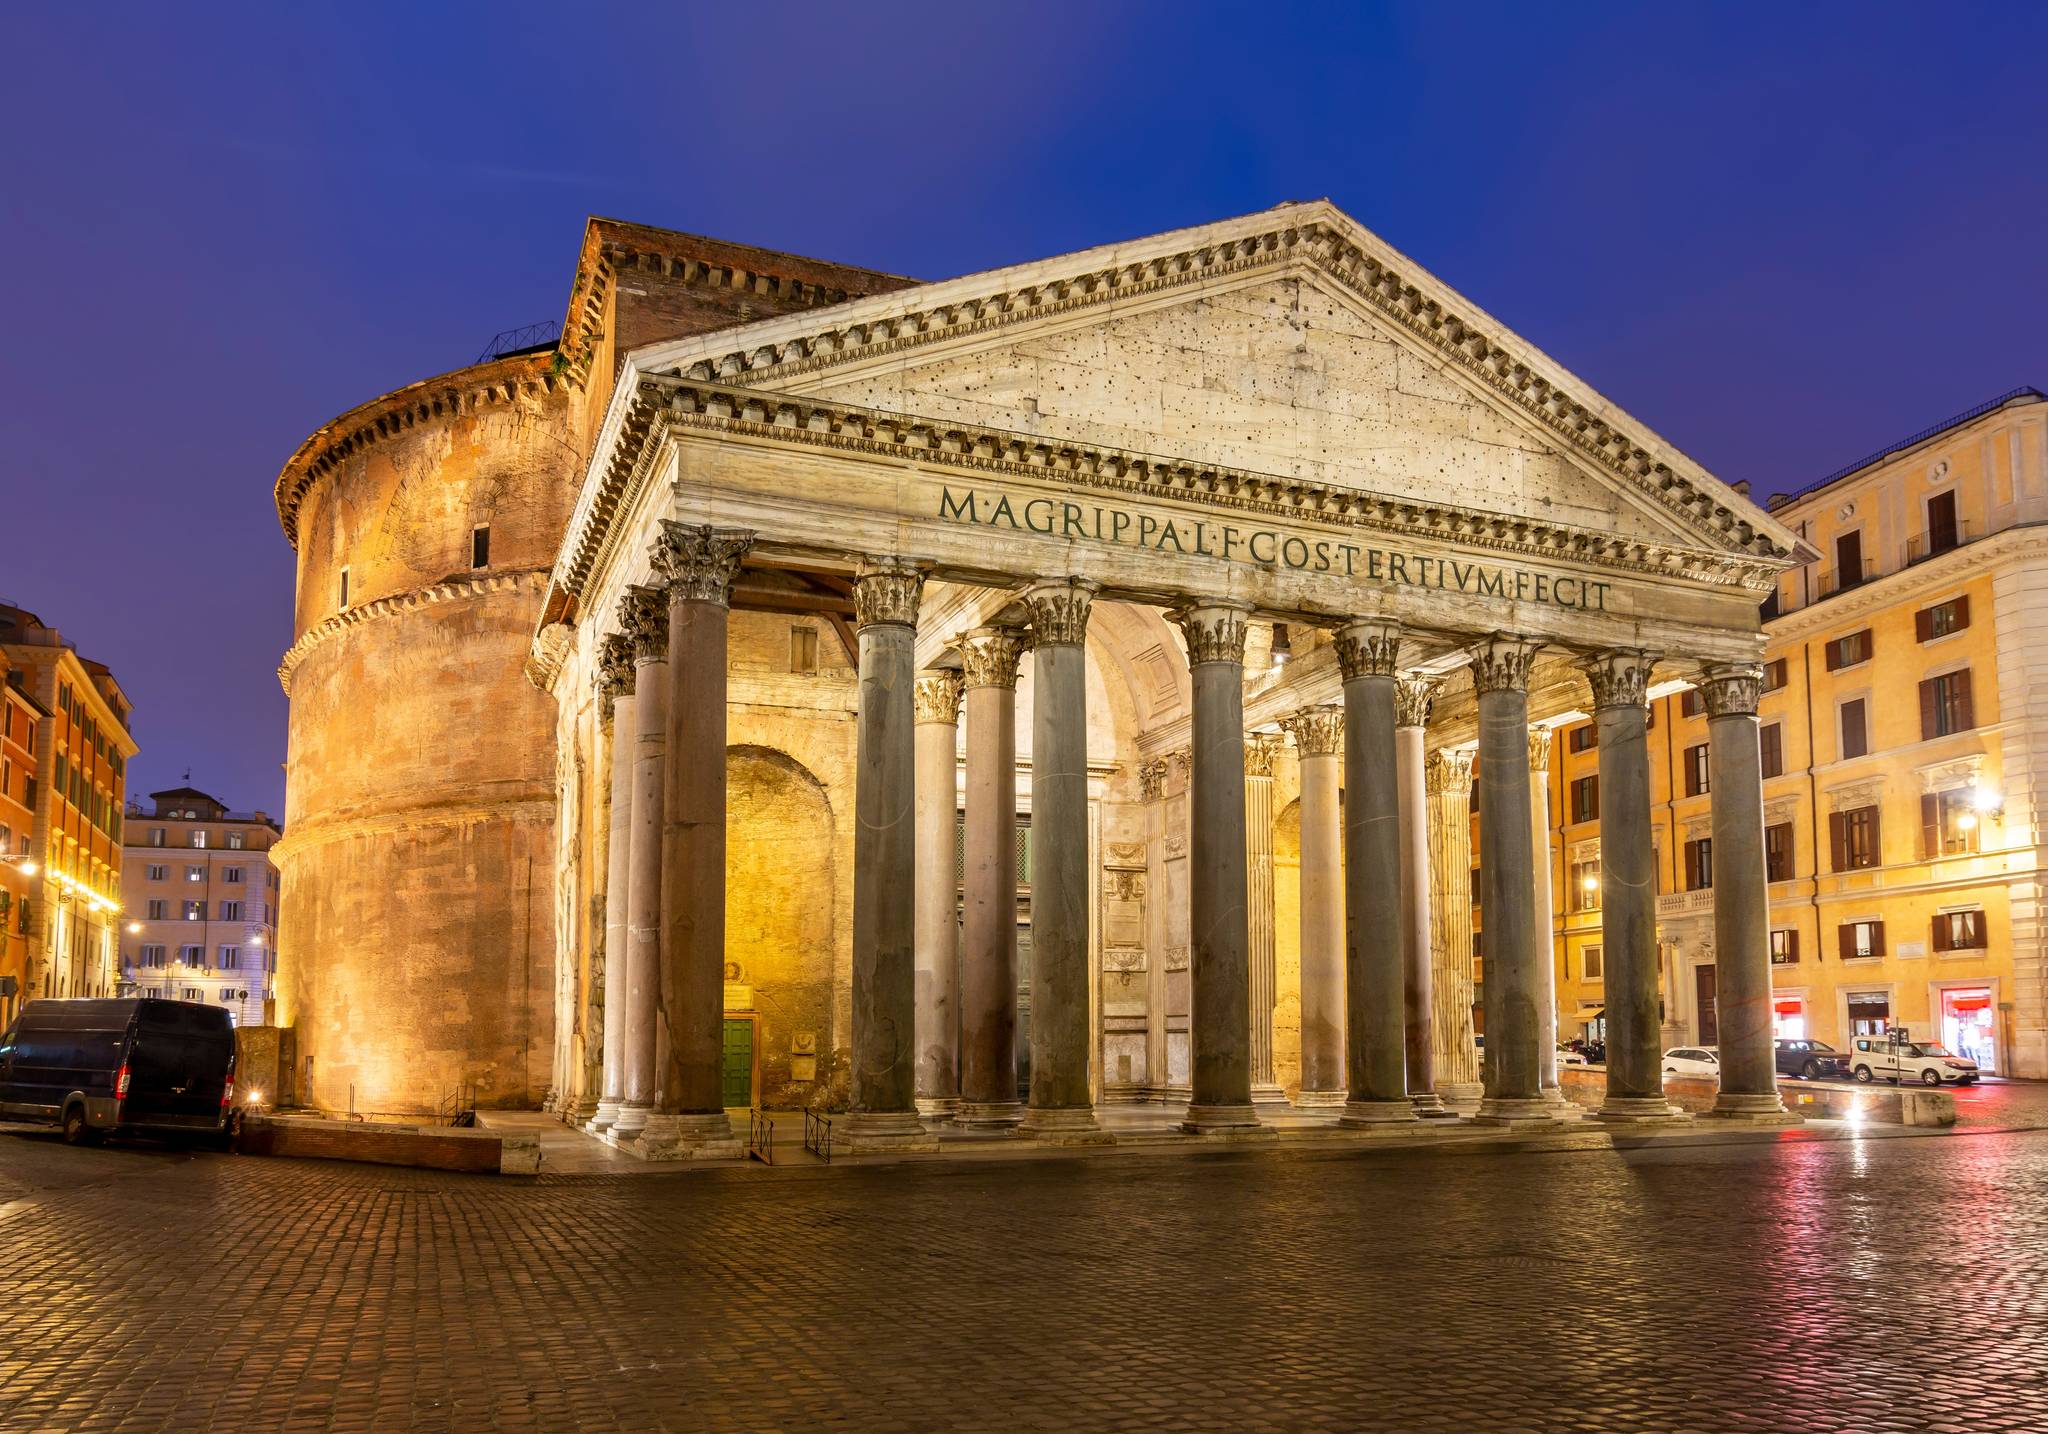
1263 547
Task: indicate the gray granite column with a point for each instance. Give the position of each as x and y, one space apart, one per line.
1318 734
988 956
615 698
882 1113
697 564
1061 1106
1262 946
1447 778
1742 903
643 615
1628 889
937 702
1543 915
1219 934
1412 699
1374 1018
1514 984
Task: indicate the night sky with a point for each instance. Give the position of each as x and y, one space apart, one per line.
1782 236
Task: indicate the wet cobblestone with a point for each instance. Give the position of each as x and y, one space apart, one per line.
1871 1286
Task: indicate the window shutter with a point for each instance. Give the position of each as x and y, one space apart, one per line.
1940 932
1962 611
1834 654
1876 835
1838 842
1930 824
1846 942
1966 716
1923 624
1927 709
1792 943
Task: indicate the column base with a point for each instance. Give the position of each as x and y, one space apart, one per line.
1064 1125
988 1114
1743 1109
1376 1114
1428 1105
630 1121
688 1137
580 1114
1223 1120
1319 1100
1516 1110
938 1109
1461 1097
1270 1096
1637 1110
602 1119
875 1132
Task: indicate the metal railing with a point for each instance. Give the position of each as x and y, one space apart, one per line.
1922 546
1978 411
527 336
818 1134
761 1137
456 1107
1838 581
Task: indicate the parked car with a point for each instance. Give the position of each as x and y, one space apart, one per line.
1928 1062
1699 1061
1812 1060
98 1067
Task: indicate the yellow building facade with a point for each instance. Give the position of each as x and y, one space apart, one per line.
1905 744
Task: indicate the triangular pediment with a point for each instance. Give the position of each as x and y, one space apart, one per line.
1292 343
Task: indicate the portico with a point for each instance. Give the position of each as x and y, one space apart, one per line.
1095 490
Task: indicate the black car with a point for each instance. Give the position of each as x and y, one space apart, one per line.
1814 1060
95 1067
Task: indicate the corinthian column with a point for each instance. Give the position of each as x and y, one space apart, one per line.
1218 932
937 702
608 972
698 565
1377 1056
988 958
1260 937
1412 699
643 614
882 1113
1742 910
1543 916
1318 734
1514 988
1062 1107
1447 780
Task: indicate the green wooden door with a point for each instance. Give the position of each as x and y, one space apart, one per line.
739 1063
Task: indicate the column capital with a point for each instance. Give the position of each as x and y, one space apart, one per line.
1059 611
1181 762
1259 752
1540 739
1317 731
1731 689
1368 648
1448 773
1413 697
614 670
698 562
886 592
989 656
1619 677
1152 779
643 617
936 697
1501 663
1214 629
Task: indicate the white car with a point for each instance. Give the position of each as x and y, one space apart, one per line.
1566 1056
1928 1062
1701 1062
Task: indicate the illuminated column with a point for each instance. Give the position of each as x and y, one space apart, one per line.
1544 915
1219 937
1262 949
988 955
643 614
882 1113
1628 889
1061 1106
1374 1020
1318 734
697 564
1742 912
1412 699
608 974
1514 985
1447 780
937 702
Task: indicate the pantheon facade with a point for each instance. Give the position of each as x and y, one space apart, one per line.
987 700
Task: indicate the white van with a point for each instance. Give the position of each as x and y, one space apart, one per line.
1928 1062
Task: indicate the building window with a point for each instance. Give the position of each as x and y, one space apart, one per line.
155 873
193 956
1771 749
1699 864
344 587
480 546
1855 739
159 910
1948 823
231 874
235 841
1849 650
1778 851
1691 703
156 836
1784 947
1848 561
1853 839
1943 532
230 958
231 911
803 649
1942 619
1945 707
1586 799
1959 931
1585 878
1593 964
195 911
153 956
1697 778
195 873
1861 941
199 839
1583 738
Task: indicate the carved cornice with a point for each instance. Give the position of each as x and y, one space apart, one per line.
1413 698
886 593
1259 752
1214 631
546 654
1368 649
698 562
1540 740
1732 689
532 580
643 618
1500 663
1848 796
1317 731
1059 611
1620 678
1956 772
989 656
1448 773
936 697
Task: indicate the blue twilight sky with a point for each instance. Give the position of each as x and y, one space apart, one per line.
1781 235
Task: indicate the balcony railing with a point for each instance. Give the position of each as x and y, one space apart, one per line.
1933 543
1841 580
1686 903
